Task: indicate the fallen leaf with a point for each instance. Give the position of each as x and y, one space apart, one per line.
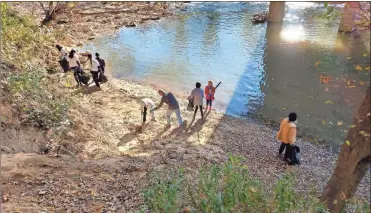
343 196
347 142
358 67
253 189
364 134
349 58
352 126
364 55
350 84
323 122
335 202
326 89
340 123
324 79
367 68
329 102
361 83
330 123
317 63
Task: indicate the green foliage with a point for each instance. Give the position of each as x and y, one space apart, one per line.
163 196
42 108
229 188
21 36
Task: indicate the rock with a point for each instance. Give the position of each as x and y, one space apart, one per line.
6 149
80 44
86 29
130 24
63 21
42 192
5 198
71 135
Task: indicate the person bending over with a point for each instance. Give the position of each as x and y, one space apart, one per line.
173 107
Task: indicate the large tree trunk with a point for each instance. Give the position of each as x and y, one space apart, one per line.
353 161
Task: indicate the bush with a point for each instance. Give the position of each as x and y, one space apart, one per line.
229 188
42 106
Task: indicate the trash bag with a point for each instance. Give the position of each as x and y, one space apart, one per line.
102 78
293 155
84 78
190 106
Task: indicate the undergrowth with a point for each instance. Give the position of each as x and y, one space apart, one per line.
230 188
25 45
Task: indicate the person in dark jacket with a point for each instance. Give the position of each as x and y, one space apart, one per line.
101 61
63 59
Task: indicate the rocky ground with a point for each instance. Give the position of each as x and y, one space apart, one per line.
101 163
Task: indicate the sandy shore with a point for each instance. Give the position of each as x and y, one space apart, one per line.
113 159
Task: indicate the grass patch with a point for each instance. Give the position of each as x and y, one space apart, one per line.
229 188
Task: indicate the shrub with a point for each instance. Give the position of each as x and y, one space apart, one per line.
229 188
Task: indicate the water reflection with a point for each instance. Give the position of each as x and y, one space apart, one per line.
266 69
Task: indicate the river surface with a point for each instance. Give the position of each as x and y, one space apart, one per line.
267 70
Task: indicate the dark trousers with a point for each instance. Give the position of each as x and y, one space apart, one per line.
144 114
209 103
202 112
76 73
287 148
95 77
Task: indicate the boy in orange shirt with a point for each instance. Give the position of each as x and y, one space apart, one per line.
287 134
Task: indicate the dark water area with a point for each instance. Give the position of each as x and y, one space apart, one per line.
267 70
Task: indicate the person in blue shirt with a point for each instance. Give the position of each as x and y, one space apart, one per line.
170 100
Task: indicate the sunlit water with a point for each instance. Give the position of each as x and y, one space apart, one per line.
267 70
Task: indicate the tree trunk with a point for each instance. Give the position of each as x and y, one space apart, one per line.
353 161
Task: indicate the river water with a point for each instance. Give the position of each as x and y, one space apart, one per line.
267 70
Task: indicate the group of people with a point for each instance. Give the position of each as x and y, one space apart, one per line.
286 134
197 97
70 61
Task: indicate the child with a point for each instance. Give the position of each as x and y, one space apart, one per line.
197 96
287 135
209 93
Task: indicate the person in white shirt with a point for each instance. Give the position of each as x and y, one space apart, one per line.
94 69
146 105
74 63
197 96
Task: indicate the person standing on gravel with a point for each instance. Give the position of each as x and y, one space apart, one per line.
209 93
146 106
287 135
74 64
170 100
197 96
94 69
101 61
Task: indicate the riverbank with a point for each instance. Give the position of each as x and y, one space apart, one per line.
105 161
116 158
